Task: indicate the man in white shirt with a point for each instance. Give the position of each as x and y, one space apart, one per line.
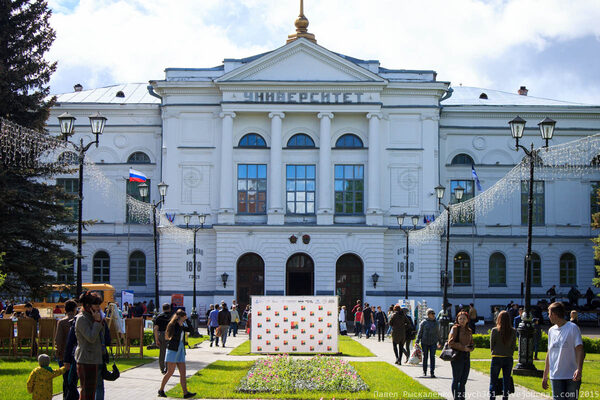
564 360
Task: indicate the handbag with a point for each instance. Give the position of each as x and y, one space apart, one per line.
373 327
343 326
218 331
448 353
111 375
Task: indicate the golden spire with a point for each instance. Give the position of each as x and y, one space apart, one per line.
301 27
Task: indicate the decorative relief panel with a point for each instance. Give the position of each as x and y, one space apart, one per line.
195 184
404 188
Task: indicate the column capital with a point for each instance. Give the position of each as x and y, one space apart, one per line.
227 114
375 115
274 114
322 115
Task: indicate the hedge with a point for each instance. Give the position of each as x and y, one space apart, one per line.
589 345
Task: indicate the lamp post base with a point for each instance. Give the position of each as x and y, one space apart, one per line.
194 319
525 366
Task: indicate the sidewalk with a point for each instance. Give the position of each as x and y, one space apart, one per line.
477 385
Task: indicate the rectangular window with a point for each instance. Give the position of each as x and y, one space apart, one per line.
469 193
594 198
70 186
67 273
300 189
538 216
349 189
131 215
252 188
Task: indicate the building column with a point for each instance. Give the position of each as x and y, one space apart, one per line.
374 216
325 188
275 212
430 157
226 205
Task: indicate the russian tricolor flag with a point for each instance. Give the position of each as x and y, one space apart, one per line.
136 176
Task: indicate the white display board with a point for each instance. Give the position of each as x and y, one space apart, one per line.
294 324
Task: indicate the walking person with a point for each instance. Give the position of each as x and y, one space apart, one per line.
210 308
502 346
411 333
472 317
564 360
389 315
235 320
355 309
398 323
358 322
367 316
160 327
224 320
381 321
88 354
342 321
429 338
175 334
461 340
60 339
213 323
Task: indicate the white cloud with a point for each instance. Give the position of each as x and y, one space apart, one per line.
134 40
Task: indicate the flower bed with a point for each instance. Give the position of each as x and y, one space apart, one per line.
284 374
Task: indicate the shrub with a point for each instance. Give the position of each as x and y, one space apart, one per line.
589 345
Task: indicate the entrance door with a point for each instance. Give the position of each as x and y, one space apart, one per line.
300 275
250 279
349 280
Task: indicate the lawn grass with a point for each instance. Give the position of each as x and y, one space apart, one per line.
590 385
15 371
347 348
220 379
484 354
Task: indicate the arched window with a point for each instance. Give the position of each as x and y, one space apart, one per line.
137 268
568 270
139 157
101 273
462 269
536 269
68 158
252 140
349 141
462 159
497 269
301 140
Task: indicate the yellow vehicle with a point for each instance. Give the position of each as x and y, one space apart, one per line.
60 293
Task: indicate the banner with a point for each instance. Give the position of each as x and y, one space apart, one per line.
294 324
126 296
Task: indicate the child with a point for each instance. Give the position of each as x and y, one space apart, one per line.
39 382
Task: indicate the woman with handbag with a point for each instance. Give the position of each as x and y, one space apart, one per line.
502 346
175 334
460 340
398 323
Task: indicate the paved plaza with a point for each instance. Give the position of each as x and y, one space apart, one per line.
143 382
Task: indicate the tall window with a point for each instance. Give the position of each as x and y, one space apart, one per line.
536 269
594 198
301 140
462 269
300 189
462 159
70 186
252 140
538 202
101 272
132 216
469 193
349 189
66 274
137 268
568 270
349 141
252 188
497 270
138 157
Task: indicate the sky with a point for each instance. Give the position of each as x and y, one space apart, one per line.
550 46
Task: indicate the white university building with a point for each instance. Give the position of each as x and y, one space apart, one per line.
302 158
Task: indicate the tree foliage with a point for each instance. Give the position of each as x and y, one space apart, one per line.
596 225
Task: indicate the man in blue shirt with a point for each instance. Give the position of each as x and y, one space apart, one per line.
213 323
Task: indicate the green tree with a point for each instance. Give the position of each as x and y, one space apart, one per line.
35 225
596 225
25 36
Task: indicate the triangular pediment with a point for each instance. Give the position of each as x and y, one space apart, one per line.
301 61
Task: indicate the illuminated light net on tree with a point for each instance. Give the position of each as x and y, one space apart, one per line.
574 159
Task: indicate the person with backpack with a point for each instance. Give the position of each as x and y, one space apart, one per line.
502 346
429 337
381 321
398 322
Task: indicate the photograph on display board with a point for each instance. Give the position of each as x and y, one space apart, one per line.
294 324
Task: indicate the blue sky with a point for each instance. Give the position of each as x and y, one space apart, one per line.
551 46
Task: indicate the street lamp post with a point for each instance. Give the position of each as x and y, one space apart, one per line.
162 190
194 316
525 365
67 122
458 193
415 221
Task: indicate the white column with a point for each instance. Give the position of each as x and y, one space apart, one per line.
374 215
226 210
325 188
430 157
275 214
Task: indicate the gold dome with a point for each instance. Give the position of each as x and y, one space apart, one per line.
301 24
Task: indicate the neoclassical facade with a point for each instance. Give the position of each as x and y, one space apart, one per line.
302 158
